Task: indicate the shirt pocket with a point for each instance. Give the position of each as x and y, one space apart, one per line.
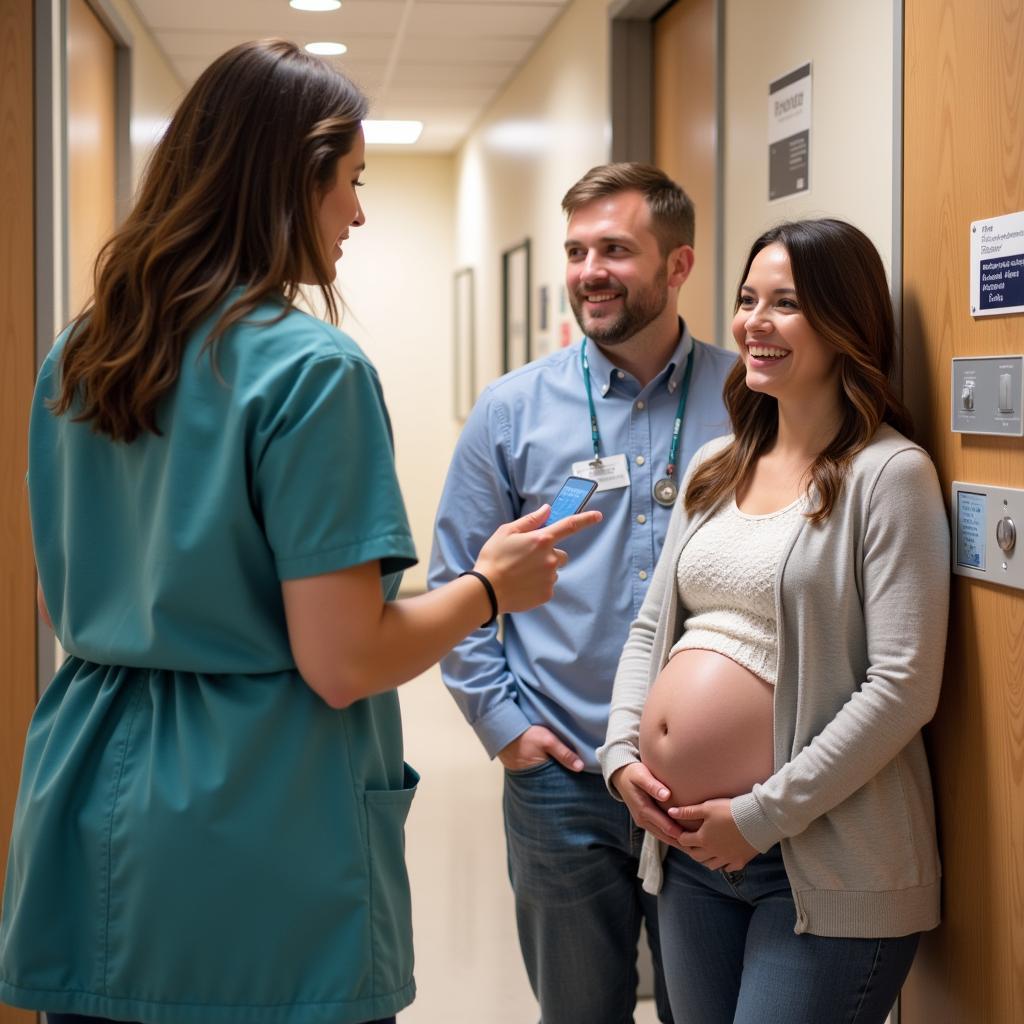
390 903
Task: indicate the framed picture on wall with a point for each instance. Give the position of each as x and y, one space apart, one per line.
515 306
464 347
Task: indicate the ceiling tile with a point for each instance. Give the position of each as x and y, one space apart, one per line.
481 19
455 75
453 57
258 18
510 50
213 42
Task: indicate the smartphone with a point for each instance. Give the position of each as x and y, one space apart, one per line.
571 498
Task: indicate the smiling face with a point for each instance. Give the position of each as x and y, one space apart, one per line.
618 279
784 356
339 208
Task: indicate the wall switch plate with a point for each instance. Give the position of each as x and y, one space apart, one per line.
987 527
988 395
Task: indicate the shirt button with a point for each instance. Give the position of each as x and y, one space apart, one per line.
620 374
639 405
640 460
641 519
642 574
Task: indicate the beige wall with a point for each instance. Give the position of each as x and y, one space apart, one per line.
850 46
396 279
547 127
156 89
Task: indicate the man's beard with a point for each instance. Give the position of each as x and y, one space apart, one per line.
639 308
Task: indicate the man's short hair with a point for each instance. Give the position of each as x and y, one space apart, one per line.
672 214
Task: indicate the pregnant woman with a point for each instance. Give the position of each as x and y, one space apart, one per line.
767 713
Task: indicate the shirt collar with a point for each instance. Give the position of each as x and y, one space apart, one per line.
673 373
603 371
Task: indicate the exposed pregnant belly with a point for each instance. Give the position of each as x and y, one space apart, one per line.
706 729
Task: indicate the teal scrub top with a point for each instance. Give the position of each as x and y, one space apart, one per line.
199 837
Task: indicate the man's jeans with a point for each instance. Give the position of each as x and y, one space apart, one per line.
733 957
573 853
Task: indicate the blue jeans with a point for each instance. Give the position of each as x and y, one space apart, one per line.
732 956
573 853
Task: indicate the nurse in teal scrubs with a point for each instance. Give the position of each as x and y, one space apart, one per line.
209 828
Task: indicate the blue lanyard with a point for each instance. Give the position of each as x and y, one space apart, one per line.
677 427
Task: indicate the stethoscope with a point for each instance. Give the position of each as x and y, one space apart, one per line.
666 490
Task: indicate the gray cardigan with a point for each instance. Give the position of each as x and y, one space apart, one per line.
862 605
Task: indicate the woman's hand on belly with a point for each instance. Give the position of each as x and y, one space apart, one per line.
718 843
641 792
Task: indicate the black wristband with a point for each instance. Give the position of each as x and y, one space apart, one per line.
492 596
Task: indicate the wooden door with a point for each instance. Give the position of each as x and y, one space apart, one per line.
92 147
17 371
685 62
964 160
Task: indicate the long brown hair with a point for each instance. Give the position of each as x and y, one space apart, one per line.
841 287
228 200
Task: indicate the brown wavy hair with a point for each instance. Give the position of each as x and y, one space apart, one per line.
229 199
841 287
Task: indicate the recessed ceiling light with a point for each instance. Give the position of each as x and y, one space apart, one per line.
315 5
327 49
395 133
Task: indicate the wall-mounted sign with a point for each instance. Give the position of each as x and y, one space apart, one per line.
997 265
789 133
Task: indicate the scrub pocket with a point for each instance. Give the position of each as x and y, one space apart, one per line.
390 904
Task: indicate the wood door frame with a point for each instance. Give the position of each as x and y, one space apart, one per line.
896 248
17 370
46 225
122 37
632 106
962 58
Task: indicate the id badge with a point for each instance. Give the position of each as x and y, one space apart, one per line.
611 472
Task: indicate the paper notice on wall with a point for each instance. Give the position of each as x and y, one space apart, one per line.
789 133
997 265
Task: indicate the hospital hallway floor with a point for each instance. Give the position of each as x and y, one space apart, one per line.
468 968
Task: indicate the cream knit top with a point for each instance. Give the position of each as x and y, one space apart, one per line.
726 581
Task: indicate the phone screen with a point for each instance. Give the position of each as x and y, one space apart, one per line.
571 498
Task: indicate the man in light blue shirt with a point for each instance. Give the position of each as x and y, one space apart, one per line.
628 406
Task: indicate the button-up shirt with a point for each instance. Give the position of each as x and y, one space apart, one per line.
555 665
